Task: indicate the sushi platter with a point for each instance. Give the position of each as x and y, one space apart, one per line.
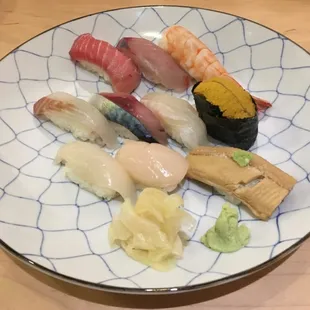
154 149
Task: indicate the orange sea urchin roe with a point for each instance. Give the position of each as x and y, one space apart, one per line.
233 101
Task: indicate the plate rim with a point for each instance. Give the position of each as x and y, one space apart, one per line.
165 290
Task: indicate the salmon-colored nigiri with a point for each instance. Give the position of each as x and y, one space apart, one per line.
196 58
130 104
107 61
155 64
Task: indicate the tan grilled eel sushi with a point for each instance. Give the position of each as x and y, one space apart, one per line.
260 185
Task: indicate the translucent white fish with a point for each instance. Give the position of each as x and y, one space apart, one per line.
152 164
123 131
178 117
77 116
95 170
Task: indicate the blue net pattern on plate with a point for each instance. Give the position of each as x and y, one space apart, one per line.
80 221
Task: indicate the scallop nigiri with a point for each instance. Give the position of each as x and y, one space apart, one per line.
195 57
95 170
77 116
107 61
130 104
152 164
155 64
116 114
178 117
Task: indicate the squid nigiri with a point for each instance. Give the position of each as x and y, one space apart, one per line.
116 114
195 57
107 61
178 117
95 170
130 104
77 116
155 64
152 165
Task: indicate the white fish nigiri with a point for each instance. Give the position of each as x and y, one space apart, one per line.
77 116
95 170
152 164
123 131
178 117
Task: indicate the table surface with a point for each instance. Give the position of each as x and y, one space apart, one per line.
283 287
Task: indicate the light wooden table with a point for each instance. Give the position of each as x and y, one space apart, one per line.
284 288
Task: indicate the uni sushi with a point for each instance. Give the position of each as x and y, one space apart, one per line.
229 112
107 61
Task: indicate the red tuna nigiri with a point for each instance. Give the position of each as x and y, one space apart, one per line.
130 104
107 61
156 64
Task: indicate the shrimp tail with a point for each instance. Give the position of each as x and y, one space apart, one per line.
261 104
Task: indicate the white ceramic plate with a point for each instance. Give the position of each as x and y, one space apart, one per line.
59 228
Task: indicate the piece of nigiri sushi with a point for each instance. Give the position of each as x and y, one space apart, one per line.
116 114
107 61
152 165
123 132
130 104
178 117
196 58
77 116
155 64
95 170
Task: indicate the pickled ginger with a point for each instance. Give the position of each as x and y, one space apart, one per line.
154 230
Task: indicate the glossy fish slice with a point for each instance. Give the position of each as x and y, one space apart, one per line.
152 164
118 115
107 61
155 64
179 118
130 104
123 131
78 117
95 170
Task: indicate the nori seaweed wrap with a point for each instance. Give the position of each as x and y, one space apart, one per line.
229 112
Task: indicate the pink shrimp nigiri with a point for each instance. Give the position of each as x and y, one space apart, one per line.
195 57
107 61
